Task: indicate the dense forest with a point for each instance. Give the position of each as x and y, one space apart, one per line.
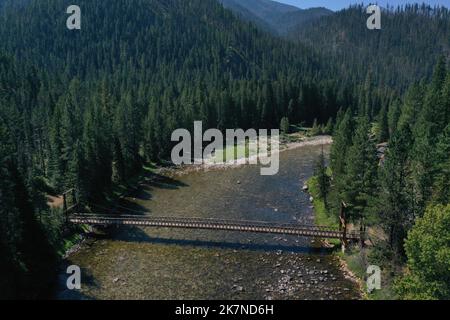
407 182
404 51
85 109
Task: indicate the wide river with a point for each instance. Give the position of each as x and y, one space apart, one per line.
136 263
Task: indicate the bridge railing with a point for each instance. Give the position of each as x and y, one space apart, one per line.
211 220
207 222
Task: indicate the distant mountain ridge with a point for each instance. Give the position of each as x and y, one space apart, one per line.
273 16
407 47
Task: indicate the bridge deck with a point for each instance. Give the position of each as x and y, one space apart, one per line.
213 224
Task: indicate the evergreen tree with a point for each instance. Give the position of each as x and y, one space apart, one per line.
393 116
284 126
441 187
328 127
360 172
412 106
322 178
383 125
395 199
342 141
316 128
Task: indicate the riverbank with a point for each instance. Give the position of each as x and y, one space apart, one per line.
354 261
289 142
353 270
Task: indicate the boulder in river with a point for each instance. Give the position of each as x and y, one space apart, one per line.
239 288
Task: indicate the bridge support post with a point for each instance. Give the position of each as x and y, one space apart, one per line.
343 226
69 207
74 199
362 233
65 207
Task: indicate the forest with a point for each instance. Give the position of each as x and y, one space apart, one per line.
405 191
87 109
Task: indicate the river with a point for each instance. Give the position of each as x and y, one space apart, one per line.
136 263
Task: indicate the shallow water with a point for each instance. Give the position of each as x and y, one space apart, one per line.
136 263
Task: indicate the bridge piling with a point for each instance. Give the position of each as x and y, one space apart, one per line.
343 226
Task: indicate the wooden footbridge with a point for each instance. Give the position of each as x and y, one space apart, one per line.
211 224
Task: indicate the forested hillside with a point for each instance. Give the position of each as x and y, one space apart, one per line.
165 62
273 16
247 14
402 52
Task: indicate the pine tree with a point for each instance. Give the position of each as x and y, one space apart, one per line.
119 174
383 125
150 137
76 175
360 177
97 146
395 199
316 128
412 106
441 187
328 129
434 112
393 116
128 133
322 178
284 126
342 142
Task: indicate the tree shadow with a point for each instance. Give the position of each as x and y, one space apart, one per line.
153 181
163 182
127 206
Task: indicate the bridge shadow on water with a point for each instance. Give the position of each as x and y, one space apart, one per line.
137 235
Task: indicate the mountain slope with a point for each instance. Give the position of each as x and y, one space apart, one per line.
405 50
248 15
274 16
164 64
145 33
